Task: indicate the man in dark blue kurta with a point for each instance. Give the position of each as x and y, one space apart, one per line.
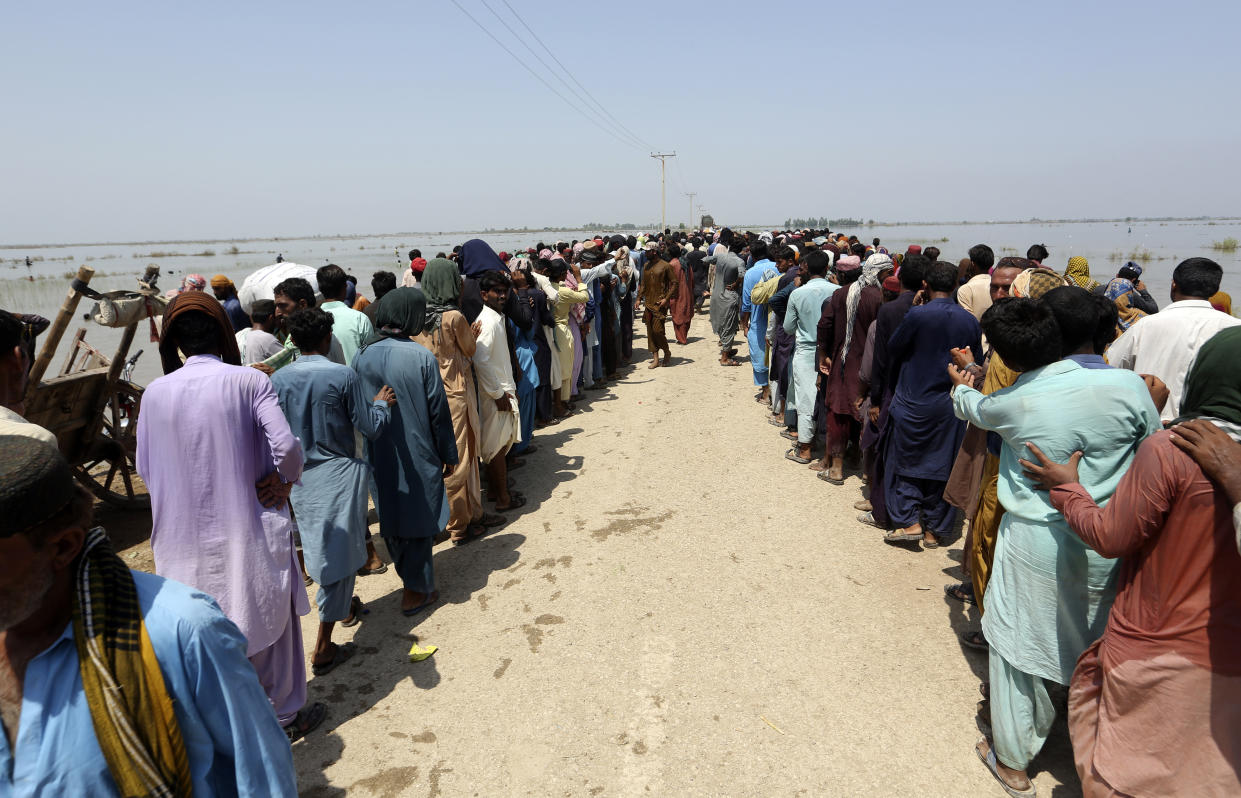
924 434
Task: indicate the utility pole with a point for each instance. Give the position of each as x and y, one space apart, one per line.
691 195
663 194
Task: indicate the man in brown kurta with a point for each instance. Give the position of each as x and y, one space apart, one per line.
659 288
844 387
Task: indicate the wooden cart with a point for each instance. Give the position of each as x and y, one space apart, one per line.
90 408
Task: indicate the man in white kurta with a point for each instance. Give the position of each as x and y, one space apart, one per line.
497 389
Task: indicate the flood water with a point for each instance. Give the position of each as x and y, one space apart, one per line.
1158 246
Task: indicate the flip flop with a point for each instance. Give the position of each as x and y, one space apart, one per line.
432 599
356 610
792 436
796 458
977 641
471 532
990 761
343 652
961 593
897 536
730 363
868 518
515 501
823 476
307 720
776 422
382 569
488 520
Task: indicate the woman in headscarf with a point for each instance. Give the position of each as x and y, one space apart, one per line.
1123 293
531 347
1168 666
449 337
419 450
1078 272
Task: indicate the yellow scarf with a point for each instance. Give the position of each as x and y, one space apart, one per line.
129 702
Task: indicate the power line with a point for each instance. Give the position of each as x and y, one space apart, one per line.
575 80
637 142
539 78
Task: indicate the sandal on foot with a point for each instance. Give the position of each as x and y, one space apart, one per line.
515 501
471 532
356 610
343 652
989 760
488 520
863 505
307 720
962 592
792 436
868 518
824 475
382 569
900 536
431 599
792 454
977 641
776 422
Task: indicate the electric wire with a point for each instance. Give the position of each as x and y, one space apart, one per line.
540 79
637 141
619 124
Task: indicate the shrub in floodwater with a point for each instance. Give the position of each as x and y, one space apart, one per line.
206 253
1227 245
159 254
233 250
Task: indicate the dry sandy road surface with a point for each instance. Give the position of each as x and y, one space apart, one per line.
678 611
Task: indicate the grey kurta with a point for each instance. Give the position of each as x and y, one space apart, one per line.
408 459
324 402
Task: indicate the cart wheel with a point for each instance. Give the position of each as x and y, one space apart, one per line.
109 471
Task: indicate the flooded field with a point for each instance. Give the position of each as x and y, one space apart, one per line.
41 287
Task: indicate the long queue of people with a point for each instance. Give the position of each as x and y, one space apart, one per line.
1032 401
261 447
1091 439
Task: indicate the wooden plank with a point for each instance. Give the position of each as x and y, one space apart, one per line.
61 322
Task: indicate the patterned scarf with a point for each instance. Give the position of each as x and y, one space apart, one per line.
1121 292
578 311
129 703
870 276
1078 271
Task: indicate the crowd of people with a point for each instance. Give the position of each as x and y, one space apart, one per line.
1091 438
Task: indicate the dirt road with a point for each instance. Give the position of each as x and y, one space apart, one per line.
679 611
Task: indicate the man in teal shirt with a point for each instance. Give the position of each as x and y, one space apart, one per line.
802 322
1049 594
351 327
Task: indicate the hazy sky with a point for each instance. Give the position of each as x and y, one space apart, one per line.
133 121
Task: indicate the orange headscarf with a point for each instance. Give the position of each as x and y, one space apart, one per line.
196 301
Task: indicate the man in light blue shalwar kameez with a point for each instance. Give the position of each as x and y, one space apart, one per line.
324 402
754 316
1049 594
802 322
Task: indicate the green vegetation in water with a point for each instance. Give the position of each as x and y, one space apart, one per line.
1227 245
206 253
233 250
159 254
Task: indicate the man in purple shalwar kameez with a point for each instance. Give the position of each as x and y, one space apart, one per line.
218 457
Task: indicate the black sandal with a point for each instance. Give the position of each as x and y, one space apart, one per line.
961 592
356 610
344 651
307 720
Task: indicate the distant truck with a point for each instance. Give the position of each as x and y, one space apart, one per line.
707 221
